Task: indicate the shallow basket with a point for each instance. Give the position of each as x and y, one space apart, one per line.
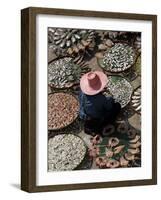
67 121
78 163
118 93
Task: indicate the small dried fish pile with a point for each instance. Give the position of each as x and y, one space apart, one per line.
119 58
137 42
116 36
63 73
66 41
120 89
113 152
126 130
62 110
136 100
65 152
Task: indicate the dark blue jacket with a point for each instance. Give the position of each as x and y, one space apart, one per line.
96 106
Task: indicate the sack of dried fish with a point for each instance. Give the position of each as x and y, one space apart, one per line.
62 110
63 73
120 89
119 58
65 152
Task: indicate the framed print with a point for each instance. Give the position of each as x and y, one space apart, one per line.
88 99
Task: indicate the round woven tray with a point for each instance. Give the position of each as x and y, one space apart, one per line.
120 61
63 73
62 110
65 152
120 89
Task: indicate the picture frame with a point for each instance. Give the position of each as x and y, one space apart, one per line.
29 92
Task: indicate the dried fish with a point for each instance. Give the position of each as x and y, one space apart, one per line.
137 42
123 162
118 149
63 73
138 108
122 127
131 133
119 58
120 89
109 153
70 41
108 130
112 163
65 152
100 161
113 141
136 104
62 110
96 140
129 156
117 153
136 100
137 137
92 153
136 145
134 151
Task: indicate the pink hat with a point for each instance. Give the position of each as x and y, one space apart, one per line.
92 83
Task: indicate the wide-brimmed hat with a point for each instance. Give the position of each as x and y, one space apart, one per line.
94 82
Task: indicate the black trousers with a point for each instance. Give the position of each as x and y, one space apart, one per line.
97 125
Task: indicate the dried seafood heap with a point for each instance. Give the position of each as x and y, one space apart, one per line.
117 36
113 152
62 110
137 42
63 73
136 100
126 130
70 41
120 89
119 58
114 35
65 152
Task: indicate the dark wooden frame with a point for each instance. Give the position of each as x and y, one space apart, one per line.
28 98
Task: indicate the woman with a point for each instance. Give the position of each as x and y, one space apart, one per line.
96 109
